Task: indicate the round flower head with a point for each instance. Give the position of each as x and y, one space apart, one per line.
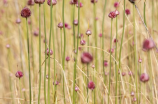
30 2
36 33
18 21
67 26
116 4
81 5
140 60
76 89
111 50
75 22
144 77
39 1
115 40
82 42
130 73
134 99
29 22
100 35
88 32
105 63
123 73
148 44
51 52
5 1
25 12
112 14
93 66
56 83
60 25
117 12
54 2
132 1
67 58
7 46
132 93
94 1
128 12
91 85
86 58
19 74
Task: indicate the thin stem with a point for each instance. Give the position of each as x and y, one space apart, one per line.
45 96
63 59
116 71
110 63
87 73
121 48
39 54
28 61
74 79
49 54
135 53
74 37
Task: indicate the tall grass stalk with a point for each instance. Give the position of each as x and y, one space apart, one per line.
121 48
87 72
116 71
110 63
135 53
96 45
45 96
63 59
73 18
28 49
49 78
39 93
75 66
103 43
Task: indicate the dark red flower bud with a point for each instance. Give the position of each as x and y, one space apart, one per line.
128 12
148 44
94 1
105 63
39 1
30 2
51 52
25 12
81 5
67 58
144 77
54 2
60 25
86 58
91 85
112 14
82 42
19 74
116 4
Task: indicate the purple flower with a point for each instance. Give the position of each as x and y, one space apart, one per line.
76 22
60 25
94 1
39 1
76 88
18 21
25 12
30 2
19 74
81 5
86 58
105 63
148 44
128 12
82 42
112 14
91 85
116 4
51 52
144 77
67 58
88 32
54 2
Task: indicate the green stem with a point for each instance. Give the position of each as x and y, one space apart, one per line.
28 61
116 71
74 36
49 78
39 54
45 99
110 63
63 59
121 48
74 79
61 42
87 73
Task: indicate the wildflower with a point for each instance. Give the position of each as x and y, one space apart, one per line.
111 50
100 35
18 21
76 88
144 77
81 5
128 12
86 57
54 2
117 12
91 85
60 25
82 42
7 46
140 60
134 99
115 40
88 32
116 4
94 1
123 73
112 14
25 12
56 83
30 2
132 93
148 44
75 22
39 1
67 58
36 33
130 73
19 74
51 52
67 26
132 1
105 63
93 66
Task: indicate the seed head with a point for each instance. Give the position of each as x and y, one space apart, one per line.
54 2
19 74
25 13
91 85
144 77
86 58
